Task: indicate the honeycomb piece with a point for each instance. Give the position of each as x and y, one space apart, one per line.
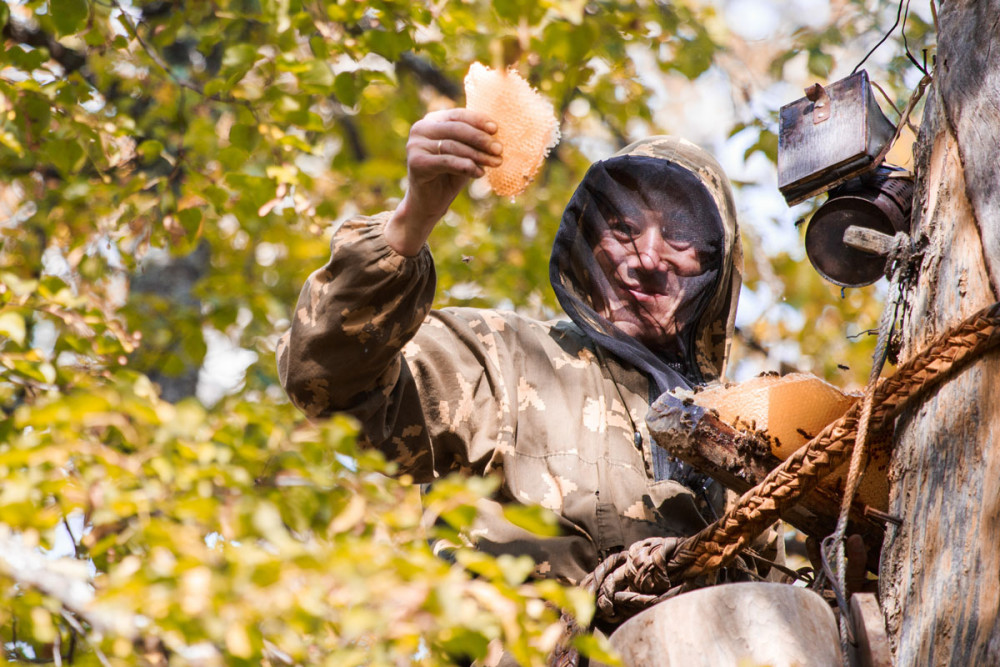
526 122
789 408
789 411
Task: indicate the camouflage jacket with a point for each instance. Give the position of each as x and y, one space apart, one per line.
493 392
484 392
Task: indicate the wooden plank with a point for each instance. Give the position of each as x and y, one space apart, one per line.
872 649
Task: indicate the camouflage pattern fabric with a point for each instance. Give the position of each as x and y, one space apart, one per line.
492 392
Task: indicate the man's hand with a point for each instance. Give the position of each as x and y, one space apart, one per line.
445 149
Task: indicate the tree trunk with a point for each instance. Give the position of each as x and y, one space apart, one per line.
940 587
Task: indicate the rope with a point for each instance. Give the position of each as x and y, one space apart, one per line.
718 544
683 562
897 270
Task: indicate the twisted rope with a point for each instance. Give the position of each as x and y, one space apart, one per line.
898 270
719 543
635 582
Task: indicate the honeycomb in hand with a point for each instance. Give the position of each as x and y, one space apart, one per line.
526 125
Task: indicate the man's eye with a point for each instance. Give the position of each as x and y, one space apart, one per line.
622 229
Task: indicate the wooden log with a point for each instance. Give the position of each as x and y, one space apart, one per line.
739 463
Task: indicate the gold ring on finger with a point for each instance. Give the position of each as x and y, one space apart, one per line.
440 141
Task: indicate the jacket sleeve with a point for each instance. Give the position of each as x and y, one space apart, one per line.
344 353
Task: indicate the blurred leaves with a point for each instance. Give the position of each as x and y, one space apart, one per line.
170 172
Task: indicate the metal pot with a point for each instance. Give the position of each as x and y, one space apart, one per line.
880 200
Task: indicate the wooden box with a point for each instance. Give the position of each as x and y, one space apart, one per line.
831 135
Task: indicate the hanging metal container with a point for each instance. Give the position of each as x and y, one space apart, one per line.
829 136
879 200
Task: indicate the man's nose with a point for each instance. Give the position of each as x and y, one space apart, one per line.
650 249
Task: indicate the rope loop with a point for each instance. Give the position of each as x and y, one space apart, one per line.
627 582
646 568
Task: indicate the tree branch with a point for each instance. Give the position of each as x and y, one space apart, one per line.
70 59
429 74
67 581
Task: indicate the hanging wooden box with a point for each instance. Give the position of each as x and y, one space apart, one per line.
831 135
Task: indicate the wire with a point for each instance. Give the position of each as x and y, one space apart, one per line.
888 99
906 47
899 15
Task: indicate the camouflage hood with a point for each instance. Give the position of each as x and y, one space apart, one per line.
688 191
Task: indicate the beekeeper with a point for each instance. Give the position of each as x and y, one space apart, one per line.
646 264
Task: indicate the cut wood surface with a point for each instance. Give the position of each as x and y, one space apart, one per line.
740 461
786 412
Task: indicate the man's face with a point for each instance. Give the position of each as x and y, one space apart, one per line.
646 261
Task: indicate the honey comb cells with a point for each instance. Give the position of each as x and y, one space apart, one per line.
526 125
790 410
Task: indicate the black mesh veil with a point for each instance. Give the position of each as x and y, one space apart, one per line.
602 263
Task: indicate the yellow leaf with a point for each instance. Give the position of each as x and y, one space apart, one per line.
11 142
350 516
238 641
45 631
12 325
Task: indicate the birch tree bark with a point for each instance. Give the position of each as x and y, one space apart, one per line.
940 578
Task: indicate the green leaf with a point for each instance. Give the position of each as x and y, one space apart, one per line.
10 141
819 63
389 43
150 149
466 644
319 48
216 196
241 55
69 16
598 649
568 43
345 89
767 143
190 219
243 136
317 77
19 57
66 155
459 517
513 11
38 110
515 569
42 372
217 87
694 56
